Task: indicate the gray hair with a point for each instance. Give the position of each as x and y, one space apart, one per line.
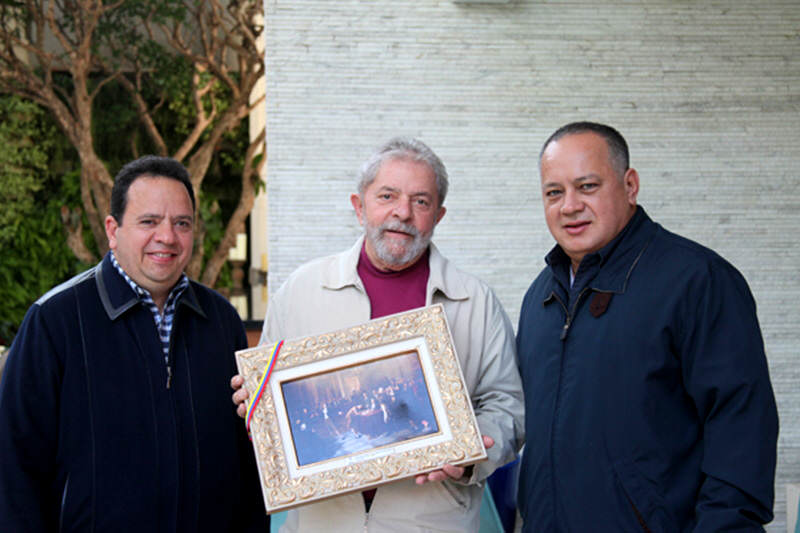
404 148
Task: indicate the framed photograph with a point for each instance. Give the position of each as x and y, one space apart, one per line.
356 408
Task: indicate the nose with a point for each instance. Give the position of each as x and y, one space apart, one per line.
572 203
165 232
402 209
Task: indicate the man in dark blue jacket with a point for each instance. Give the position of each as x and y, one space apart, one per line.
114 403
647 395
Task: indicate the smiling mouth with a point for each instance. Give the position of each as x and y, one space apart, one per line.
575 227
162 255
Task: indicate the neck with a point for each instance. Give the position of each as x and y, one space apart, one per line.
160 302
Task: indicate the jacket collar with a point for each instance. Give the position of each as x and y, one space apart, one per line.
345 274
118 297
618 258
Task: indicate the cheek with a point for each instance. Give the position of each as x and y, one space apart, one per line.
187 241
427 224
377 217
551 213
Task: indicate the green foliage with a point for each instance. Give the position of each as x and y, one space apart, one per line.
35 256
22 157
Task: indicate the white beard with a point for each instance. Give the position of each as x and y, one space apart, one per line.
395 255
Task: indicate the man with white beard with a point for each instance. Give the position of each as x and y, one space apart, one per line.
394 267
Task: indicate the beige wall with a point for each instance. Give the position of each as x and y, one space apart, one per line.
706 92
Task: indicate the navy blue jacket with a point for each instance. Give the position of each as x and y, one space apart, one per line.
648 403
91 438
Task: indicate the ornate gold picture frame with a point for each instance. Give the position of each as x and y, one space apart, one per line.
356 408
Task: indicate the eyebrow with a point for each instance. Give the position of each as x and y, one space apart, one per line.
579 179
160 217
386 188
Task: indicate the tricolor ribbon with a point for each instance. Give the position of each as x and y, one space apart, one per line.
251 407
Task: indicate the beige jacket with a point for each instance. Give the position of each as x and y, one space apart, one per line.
327 294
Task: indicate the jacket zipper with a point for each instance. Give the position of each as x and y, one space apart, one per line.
564 331
568 321
169 351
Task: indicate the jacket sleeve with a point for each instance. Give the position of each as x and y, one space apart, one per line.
29 421
726 374
251 513
497 398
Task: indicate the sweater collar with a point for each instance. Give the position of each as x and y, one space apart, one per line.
344 273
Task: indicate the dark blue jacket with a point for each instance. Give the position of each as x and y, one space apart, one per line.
648 403
91 438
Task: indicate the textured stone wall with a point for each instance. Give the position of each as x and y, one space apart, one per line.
706 92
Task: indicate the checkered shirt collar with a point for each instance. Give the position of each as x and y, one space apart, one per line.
144 294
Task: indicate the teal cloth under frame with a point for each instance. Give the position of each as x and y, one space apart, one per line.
797 522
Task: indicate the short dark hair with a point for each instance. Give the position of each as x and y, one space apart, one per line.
149 166
617 147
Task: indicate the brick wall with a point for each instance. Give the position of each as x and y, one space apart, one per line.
706 92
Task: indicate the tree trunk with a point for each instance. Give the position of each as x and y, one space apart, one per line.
246 201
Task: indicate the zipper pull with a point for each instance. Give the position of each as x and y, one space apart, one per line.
169 375
565 329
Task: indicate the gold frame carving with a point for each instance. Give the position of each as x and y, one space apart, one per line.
285 483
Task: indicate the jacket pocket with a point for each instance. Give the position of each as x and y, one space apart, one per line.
455 493
644 503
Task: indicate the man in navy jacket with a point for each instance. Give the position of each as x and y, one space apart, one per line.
647 395
114 403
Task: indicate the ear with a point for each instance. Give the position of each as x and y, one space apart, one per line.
358 206
631 182
111 231
440 214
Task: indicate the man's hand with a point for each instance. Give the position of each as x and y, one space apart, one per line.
240 395
447 471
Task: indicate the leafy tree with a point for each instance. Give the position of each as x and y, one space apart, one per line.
181 71
35 255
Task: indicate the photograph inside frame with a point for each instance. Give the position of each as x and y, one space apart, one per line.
359 408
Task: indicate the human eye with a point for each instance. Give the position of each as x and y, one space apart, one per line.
552 193
588 186
184 224
422 203
147 221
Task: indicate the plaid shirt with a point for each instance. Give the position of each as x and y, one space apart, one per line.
163 322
